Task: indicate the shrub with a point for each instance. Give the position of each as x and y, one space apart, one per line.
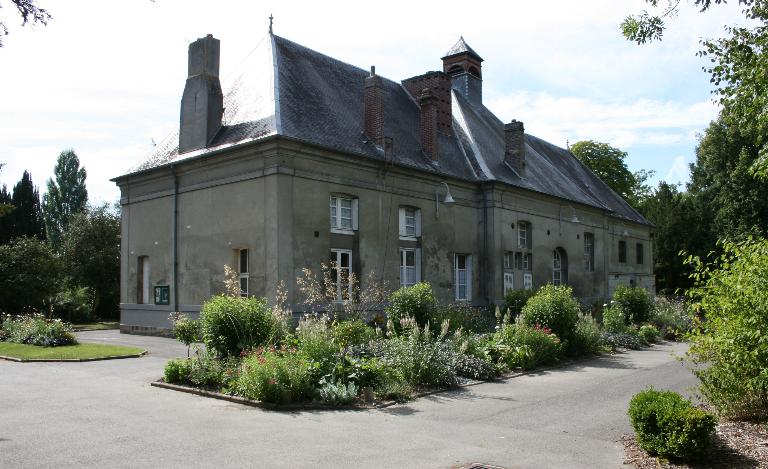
355 332
36 329
621 340
614 320
587 339
635 302
521 346
461 316
553 307
230 325
468 366
315 344
668 425
648 334
671 317
337 393
28 276
73 304
202 370
514 301
272 375
421 359
731 342
417 301
176 371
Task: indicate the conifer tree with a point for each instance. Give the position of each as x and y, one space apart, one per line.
27 216
66 195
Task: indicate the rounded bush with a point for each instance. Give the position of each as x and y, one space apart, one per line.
648 333
177 371
231 324
635 302
587 338
417 301
553 307
668 425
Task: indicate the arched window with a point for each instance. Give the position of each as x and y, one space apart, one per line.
455 70
474 72
559 267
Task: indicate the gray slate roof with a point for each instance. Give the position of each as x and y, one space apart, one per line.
286 89
460 47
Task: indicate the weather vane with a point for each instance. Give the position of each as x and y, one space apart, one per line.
270 23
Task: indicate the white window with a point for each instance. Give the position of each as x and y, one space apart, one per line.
410 223
462 268
410 267
559 267
528 281
341 268
243 271
523 235
508 260
343 214
589 252
142 274
527 261
509 282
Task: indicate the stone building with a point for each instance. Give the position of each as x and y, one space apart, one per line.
302 159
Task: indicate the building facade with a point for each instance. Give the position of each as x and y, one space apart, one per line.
302 159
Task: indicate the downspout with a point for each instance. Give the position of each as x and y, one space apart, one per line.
174 239
484 258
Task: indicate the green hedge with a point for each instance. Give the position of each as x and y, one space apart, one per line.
668 425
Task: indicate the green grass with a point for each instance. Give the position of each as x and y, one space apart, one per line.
97 326
83 351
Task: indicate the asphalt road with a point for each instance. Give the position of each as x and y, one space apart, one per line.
105 414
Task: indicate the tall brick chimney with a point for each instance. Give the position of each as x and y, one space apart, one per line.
514 142
440 85
373 103
428 123
202 104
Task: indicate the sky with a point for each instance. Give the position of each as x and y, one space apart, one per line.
105 78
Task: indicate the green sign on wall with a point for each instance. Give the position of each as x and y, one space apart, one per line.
162 295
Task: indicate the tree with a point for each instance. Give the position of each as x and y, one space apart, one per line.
27 216
66 195
608 164
30 14
721 181
28 277
90 251
5 203
739 63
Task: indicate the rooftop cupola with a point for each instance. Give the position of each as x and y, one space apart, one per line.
202 104
464 66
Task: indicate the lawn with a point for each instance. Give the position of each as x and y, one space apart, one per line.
65 352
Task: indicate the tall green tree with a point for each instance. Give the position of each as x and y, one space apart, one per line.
5 202
90 252
609 164
721 180
27 216
66 195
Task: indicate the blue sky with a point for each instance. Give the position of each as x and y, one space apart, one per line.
107 80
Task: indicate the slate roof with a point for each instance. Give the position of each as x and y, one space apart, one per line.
461 47
284 88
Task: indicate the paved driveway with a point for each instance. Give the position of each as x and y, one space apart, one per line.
105 414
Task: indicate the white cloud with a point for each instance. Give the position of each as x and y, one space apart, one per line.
679 171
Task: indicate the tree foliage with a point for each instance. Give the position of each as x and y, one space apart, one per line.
731 342
739 66
90 252
28 277
66 195
609 164
30 13
5 202
26 219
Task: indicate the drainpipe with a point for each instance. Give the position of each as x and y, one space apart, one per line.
174 240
